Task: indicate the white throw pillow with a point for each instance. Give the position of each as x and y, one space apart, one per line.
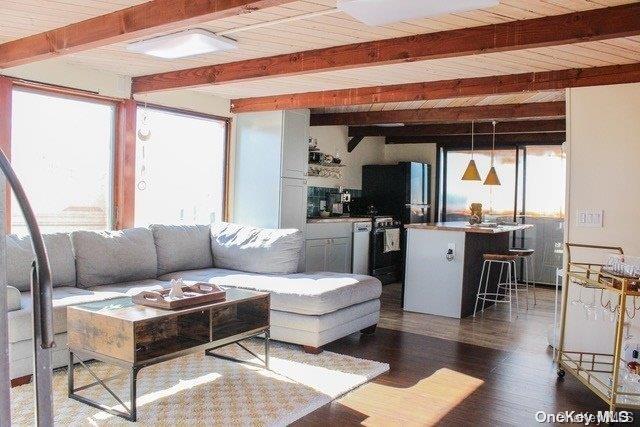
256 250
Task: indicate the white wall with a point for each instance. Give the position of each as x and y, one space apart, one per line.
603 148
56 72
334 139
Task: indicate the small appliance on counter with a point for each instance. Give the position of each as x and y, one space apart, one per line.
385 256
339 203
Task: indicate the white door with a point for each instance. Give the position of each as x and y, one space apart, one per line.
295 144
316 255
339 255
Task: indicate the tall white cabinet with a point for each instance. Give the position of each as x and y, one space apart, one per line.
271 162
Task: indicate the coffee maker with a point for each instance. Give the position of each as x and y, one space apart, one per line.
339 203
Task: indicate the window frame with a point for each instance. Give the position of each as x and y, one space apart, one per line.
125 139
78 95
227 121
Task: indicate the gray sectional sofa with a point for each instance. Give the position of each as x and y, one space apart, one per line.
310 309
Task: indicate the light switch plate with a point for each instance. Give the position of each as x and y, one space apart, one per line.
590 218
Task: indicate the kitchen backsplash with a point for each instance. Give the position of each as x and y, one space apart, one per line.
315 194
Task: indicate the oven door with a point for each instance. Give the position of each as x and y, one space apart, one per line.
384 266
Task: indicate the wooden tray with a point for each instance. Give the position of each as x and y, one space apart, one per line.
195 294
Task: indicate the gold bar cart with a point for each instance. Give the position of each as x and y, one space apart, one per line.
600 372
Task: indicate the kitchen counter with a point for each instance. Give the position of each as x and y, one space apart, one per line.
338 219
467 228
444 263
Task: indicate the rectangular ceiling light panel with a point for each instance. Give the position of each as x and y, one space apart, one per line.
382 12
183 44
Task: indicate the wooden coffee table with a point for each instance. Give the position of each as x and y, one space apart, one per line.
131 336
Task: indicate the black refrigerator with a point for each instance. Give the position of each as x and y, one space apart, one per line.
402 191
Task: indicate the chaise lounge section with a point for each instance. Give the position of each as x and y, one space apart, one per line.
310 309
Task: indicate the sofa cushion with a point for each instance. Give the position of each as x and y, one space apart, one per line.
20 327
106 257
20 256
13 299
303 293
182 247
255 250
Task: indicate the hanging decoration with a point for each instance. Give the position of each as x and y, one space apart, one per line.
144 131
492 176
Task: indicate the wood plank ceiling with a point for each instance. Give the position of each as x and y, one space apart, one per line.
314 24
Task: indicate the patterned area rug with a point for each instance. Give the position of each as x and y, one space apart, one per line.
202 390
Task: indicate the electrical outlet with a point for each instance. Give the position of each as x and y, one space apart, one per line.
590 218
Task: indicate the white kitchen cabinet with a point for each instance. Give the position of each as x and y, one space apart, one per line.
339 255
328 255
269 170
295 156
316 254
328 247
293 203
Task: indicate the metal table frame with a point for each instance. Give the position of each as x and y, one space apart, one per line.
132 369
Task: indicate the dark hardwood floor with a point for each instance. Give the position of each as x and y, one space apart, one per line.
438 381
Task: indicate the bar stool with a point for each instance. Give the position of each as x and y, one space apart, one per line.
527 260
509 285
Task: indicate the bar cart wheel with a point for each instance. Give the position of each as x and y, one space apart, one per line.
561 373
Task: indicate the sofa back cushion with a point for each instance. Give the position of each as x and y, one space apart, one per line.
20 255
256 250
107 257
182 247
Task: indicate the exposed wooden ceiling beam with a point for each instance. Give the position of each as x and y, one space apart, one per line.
549 138
480 128
442 115
443 89
142 20
591 25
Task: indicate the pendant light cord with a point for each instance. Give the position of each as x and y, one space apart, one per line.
472 129
493 144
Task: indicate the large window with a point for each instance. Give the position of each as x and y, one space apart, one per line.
180 168
62 151
532 192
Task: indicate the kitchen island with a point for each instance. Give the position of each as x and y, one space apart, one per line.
444 262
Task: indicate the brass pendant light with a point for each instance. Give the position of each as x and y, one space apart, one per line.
471 173
492 176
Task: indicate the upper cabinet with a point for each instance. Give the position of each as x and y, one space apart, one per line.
269 170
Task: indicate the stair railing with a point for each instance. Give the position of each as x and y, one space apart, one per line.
42 308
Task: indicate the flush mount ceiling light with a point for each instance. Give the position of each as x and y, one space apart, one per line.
382 12
185 43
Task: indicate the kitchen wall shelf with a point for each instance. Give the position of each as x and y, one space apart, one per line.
327 165
326 170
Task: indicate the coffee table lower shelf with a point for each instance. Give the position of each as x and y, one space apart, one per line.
132 369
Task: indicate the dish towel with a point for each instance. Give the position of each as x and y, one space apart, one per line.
391 240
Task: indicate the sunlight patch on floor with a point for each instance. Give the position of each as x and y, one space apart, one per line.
425 403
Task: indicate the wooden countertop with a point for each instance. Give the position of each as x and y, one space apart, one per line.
461 226
338 219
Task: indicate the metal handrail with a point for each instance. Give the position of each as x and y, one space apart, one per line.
41 295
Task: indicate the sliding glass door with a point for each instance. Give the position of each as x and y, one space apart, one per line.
532 191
